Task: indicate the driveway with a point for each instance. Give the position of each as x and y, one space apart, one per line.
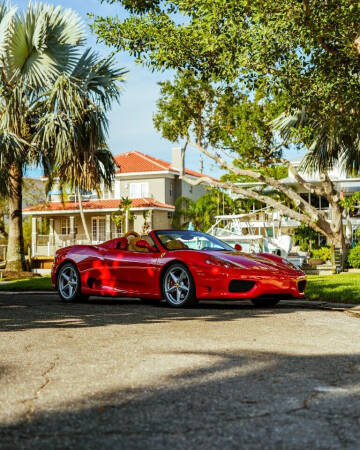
118 374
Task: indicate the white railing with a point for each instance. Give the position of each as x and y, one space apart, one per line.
46 245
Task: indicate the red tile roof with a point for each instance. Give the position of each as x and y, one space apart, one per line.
135 161
97 204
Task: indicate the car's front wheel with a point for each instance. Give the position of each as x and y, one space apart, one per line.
265 302
69 284
178 286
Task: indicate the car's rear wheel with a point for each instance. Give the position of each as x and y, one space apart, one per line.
69 284
178 286
265 302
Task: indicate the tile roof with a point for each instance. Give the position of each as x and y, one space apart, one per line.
135 161
97 204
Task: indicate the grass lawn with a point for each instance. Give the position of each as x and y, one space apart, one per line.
27 284
339 288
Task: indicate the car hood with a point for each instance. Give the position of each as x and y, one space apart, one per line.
255 262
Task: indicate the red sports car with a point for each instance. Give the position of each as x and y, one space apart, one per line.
179 266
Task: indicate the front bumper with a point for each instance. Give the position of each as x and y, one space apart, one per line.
215 284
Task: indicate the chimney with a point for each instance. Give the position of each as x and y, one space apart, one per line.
178 159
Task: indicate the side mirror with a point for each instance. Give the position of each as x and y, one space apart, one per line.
144 244
238 247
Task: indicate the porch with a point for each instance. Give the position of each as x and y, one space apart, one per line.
52 230
62 231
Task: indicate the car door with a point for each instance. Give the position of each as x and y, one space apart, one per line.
132 273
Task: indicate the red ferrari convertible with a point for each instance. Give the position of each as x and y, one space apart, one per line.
179 266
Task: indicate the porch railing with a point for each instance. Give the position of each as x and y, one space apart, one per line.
46 244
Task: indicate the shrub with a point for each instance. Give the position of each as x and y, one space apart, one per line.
354 257
323 253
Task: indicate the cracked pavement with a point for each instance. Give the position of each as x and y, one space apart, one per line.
115 373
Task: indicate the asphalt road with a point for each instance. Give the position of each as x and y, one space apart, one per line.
118 374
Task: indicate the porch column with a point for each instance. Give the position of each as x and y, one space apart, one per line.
126 221
72 229
51 232
33 235
107 227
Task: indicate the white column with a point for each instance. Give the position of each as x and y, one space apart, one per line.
51 232
72 229
126 221
107 227
33 235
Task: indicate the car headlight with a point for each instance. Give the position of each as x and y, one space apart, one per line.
288 263
219 262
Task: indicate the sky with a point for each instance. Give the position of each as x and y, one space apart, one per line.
131 126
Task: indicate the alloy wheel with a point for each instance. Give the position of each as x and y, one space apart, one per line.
68 282
177 285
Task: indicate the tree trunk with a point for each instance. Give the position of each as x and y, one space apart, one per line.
338 241
15 260
83 217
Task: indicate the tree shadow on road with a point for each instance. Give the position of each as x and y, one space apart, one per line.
22 312
245 399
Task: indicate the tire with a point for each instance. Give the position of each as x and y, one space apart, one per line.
178 286
265 302
68 284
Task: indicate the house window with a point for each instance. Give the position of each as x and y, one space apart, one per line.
170 215
98 229
171 189
108 193
65 225
139 190
116 230
190 189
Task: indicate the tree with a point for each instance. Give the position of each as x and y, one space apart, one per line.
72 131
38 59
236 132
202 212
304 52
123 215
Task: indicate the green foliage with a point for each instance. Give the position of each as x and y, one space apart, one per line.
119 217
220 116
352 202
147 221
323 253
306 51
305 237
354 257
202 212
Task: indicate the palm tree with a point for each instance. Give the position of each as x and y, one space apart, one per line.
35 46
40 76
73 129
202 211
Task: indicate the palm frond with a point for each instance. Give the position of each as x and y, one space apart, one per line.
287 122
100 77
6 28
44 42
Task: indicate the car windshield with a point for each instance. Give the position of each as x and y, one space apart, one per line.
190 240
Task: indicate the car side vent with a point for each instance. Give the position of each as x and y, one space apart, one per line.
241 285
301 285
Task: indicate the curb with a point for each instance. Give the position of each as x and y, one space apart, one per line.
28 292
344 307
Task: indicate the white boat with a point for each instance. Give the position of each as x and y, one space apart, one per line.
258 231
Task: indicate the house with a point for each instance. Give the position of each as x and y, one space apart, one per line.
152 185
